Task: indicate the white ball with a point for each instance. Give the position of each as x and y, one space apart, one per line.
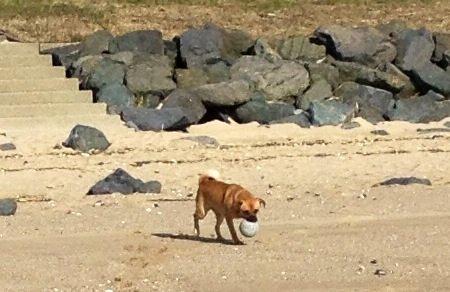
248 229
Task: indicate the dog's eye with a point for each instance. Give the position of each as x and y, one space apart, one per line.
256 211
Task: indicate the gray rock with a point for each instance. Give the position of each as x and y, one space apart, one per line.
83 67
8 207
210 44
319 90
191 104
126 57
300 119
188 78
228 93
393 27
300 48
373 103
104 73
367 76
262 49
7 147
149 100
96 43
318 71
379 132
364 45
145 41
430 76
423 109
167 119
442 41
350 125
64 55
282 81
403 181
414 48
330 112
115 95
408 89
217 72
204 140
262 112
121 182
86 139
152 76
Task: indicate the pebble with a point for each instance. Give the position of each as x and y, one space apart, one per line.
380 272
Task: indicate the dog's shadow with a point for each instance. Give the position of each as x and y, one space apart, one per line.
192 238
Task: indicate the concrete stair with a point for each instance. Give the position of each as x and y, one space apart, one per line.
36 97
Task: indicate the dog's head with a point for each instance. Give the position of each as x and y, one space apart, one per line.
250 207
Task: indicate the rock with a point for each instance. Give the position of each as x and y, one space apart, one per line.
144 41
217 72
414 48
405 181
373 103
379 132
430 76
350 125
442 41
8 207
115 96
96 43
65 55
154 75
149 100
301 119
83 68
363 45
380 272
204 140
447 124
125 58
262 112
188 78
433 130
167 119
7 147
367 76
192 104
330 112
408 89
262 49
228 93
318 71
281 81
121 182
86 139
319 90
423 109
210 44
300 48
171 50
392 28
104 73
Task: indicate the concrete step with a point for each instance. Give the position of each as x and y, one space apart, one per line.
35 72
25 61
27 85
49 110
19 49
43 97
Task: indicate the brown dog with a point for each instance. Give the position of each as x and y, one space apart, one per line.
228 201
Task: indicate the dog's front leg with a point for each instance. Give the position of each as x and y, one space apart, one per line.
233 231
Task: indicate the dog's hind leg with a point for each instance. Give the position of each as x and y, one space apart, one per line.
200 212
219 221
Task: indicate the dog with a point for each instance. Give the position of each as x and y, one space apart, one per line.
228 202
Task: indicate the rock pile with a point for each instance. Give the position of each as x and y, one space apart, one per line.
384 73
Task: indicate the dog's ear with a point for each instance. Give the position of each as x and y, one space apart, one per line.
262 202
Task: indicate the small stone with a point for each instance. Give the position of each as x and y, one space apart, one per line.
405 181
7 147
380 132
380 272
8 207
374 262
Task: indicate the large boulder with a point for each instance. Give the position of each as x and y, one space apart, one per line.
105 72
154 75
262 112
229 93
319 90
210 44
167 119
301 119
191 104
330 112
188 78
144 41
429 76
86 139
300 48
83 67
96 43
422 109
263 49
318 71
414 48
64 55
442 41
408 89
115 96
364 45
282 81
373 103
121 182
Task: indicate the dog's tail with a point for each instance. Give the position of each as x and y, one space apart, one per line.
211 174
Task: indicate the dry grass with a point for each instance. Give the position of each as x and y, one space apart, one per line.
64 21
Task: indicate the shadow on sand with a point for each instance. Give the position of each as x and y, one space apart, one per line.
192 238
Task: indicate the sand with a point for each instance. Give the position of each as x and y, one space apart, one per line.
326 227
